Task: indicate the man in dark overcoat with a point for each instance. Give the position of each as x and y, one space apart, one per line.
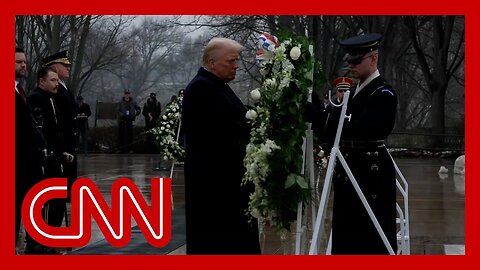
47 115
216 134
28 146
371 107
67 107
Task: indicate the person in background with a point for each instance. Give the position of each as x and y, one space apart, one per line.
128 110
83 112
151 111
216 134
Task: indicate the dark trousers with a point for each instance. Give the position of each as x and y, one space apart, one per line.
150 145
125 134
26 175
19 195
82 140
53 213
353 230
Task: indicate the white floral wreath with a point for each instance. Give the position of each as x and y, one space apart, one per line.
274 154
166 131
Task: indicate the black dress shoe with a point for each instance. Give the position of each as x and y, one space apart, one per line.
51 251
33 249
40 250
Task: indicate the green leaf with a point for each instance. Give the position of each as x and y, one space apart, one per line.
291 180
302 182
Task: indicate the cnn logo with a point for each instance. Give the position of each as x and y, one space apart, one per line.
87 202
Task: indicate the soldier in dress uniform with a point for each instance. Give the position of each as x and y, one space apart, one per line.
372 106
47 116
67 107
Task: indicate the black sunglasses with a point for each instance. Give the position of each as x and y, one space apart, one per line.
357 60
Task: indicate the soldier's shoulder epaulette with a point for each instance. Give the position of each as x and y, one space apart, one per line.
384 88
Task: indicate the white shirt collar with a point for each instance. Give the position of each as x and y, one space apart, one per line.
62 83
16 84
367 81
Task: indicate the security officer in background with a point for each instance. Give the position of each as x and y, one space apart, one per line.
151 111
128 110
83 112
372 106
66 104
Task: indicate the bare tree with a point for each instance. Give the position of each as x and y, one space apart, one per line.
42 35
148 45
438 42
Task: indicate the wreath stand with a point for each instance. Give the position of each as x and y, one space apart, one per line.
308 170
173 160
403 215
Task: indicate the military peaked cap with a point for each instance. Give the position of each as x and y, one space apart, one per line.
361 45
342 83
60 57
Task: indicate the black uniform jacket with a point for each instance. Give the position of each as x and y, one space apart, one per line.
372 119
68 112
46 113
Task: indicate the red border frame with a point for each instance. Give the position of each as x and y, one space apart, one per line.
312 7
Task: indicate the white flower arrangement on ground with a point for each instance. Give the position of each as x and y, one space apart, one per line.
166 132
274 155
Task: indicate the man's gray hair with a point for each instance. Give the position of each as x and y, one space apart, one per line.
213 46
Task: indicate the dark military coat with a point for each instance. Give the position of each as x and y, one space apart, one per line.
68 112
216 134
372 119
47 115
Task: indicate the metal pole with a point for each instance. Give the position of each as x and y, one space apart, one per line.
328 179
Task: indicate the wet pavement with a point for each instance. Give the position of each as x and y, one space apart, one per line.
436 205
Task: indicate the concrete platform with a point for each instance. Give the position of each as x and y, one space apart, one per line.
436 206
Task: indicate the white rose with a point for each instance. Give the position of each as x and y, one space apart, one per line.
295 53
324 162
251 114
255 94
